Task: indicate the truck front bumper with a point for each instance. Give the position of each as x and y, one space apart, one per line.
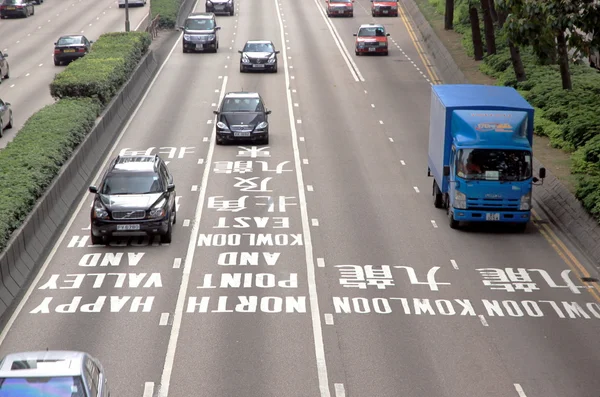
491 216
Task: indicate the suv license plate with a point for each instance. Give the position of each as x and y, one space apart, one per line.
199 46
492 217
241 134
128 227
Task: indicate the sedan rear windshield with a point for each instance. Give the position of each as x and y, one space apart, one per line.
13 2
68 40
134 183
60 386
242 105
199 24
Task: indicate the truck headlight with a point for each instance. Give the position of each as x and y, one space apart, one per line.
460 200
525 204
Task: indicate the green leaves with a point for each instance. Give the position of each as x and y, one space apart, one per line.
168 10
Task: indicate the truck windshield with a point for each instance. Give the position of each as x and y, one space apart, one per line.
494 164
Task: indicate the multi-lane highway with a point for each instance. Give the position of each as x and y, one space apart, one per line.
317 265
29 44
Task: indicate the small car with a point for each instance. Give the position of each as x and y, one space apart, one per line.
200 32
226 7
258 55
136 197
4 67
71 47
383 8
16 8
242 116
340 8
53 373
6 116
371 39
132 3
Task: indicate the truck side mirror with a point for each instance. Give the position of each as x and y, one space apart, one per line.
446 170
542 173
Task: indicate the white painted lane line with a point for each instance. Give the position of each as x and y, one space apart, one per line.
380 121
365 91
220 77
416 189
402 162
372 105
217 90
520 390
295 105
164 319
294 90
391 139
27 75
205 139
314 222
339 390
304 161
434 224
213 104
176 263
320 262
186 223
41 64
200 161
292 77
483 320
194 188
301 139
315 311
328 318
299 121
12 85
209 122
454 264
309 188
148 389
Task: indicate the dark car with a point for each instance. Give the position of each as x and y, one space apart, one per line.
6 116
4 68
71 47
258 55
16 8
136 197
242 116
200 32
226 7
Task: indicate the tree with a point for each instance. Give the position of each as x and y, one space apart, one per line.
515 51
488 26
493 12
476 32
449 15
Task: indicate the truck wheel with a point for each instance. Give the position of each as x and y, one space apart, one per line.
454 224
521 227
438 197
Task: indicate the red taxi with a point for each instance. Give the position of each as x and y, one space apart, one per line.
384 8
371 39
340 8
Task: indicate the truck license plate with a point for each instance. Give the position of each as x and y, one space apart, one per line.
128 227
492 217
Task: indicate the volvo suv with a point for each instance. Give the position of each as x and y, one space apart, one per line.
136 197
200 32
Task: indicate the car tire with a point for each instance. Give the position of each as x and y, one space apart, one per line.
386 53
1 128
7 75
242 69
438 197
32 11
521 227
98 240
219 141
351 15
174 215
56 63
231 13
274 69
10 122
356 53
453 223
168 236
265 140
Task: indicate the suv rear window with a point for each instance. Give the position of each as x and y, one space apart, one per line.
132 183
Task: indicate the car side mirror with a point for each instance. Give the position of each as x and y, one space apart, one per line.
181 28
268 112
7 103
171 187
277 52
54 43
216 112
241 52
446 170
354 34
5 55
387 34
91 42
93 189
218 28
542 173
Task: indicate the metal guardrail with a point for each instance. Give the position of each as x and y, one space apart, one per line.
153 26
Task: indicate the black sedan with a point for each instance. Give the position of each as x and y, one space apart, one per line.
69 48
258 55
16 8
242 116
4 67
6 116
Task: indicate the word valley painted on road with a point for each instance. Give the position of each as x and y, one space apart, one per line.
246 304
249 280
163 152
466 307
100 280
112 304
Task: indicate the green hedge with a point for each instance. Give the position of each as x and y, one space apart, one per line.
30 162
168 10
102 72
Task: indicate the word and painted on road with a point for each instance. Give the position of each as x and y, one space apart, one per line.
103 280
249 239
249 280
258 222
112 304
466 307
508 279
244 167
165 152
234 258
246 304
273 203
111 259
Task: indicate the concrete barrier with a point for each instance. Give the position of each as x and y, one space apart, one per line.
31 243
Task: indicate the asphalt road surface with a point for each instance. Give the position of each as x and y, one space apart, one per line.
316 265
29 43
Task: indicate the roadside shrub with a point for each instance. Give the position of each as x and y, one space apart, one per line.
168 10
102 72
29 163
588 191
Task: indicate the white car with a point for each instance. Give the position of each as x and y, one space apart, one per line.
132 3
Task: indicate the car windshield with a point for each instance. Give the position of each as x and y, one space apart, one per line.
12 2
199 24
69 40
371 32
258 47
59 386
494 164
242 105
340 1
132 183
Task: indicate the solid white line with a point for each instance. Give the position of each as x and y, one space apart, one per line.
315 312
148 389
69 224
520 390
328 318
164 319
483 320
165 379
340 45
454 265
176 263
320 262
339 390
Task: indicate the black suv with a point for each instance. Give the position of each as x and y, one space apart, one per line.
200 32
136 197
242 116
226 7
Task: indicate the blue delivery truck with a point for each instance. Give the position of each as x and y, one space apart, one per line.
480 154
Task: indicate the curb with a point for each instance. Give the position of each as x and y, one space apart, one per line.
556 201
